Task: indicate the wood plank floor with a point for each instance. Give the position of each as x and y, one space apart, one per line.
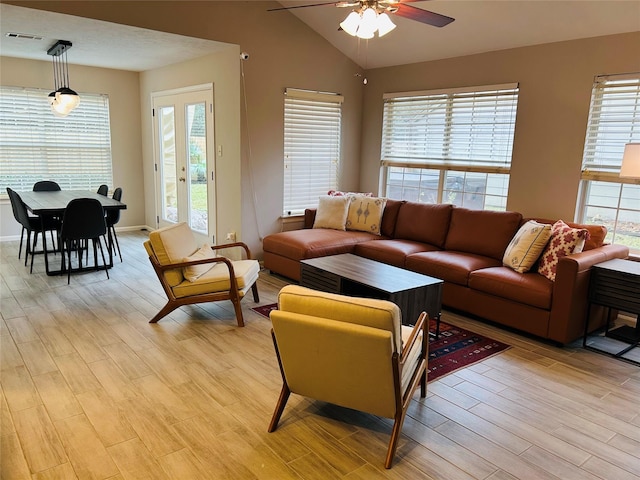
90 390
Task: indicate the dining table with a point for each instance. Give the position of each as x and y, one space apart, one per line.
54 203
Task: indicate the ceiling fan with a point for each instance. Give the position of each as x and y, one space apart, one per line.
369 16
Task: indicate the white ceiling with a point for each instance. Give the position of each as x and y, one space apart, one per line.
480 26
96 43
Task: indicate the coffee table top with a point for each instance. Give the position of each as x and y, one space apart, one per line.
371 272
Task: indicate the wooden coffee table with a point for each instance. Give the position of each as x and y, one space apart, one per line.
349 274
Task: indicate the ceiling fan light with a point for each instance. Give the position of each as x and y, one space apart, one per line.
351 23
385 25
369 20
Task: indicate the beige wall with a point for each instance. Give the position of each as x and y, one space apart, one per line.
555 84
284 52
126 138
553 108
221 69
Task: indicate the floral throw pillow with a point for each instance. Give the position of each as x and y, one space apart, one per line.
564 241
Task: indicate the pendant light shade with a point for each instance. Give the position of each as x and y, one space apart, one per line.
63 100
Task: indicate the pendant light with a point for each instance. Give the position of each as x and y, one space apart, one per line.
63 100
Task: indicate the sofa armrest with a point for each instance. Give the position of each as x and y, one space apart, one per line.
570 300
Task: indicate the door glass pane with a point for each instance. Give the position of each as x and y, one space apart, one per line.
168 158
197 142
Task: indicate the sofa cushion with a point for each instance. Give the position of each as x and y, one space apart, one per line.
390 217
332 212
528 288
526 246
564 241
453 267
597 233
311 243
392 252
365 213
423 222
482 232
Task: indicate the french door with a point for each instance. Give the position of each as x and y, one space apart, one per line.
185 160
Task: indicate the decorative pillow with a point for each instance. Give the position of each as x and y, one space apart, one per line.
526 246
564 241
365 213
332 212
338 193
194 272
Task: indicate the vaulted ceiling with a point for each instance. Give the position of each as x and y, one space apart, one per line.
479 26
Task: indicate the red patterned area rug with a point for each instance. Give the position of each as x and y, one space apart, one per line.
455 348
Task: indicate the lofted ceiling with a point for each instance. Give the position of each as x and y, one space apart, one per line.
479 26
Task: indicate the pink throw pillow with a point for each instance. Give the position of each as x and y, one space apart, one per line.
564 241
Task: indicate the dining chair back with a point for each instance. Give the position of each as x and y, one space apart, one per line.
113 217
103 189
29 224
83 220
46 186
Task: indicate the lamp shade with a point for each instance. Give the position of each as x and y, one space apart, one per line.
351 23
385 25
631 161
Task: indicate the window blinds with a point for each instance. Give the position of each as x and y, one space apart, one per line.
75 151
312 126
614 120
455 128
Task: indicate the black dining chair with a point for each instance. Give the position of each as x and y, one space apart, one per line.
103 189
113 217
83 220
46 186
30 224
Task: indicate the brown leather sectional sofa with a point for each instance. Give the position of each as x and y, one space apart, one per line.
464 248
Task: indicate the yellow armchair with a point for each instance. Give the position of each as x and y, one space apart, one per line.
189 274
353 352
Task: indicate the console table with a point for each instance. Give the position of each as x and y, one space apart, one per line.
615 284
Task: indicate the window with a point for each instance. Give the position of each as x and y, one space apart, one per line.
312 122
450 146
605 198
75 151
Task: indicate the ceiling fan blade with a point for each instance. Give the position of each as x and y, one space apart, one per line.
423 16
335 4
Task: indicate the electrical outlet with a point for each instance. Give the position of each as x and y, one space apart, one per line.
231 236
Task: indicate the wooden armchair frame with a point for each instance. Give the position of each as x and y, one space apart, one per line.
231 294
402 400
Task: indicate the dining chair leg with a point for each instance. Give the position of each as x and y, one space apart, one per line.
20 248
104 262
33 249
27 249
115 237
68 245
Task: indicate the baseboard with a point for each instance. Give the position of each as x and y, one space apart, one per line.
133 228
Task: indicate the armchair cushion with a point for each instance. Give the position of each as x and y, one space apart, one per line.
217 279
193 272
368 312
171 245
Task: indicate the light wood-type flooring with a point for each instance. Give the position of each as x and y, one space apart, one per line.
90 390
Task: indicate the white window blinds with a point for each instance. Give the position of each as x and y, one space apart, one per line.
455 128
312 126
614 120
74 151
